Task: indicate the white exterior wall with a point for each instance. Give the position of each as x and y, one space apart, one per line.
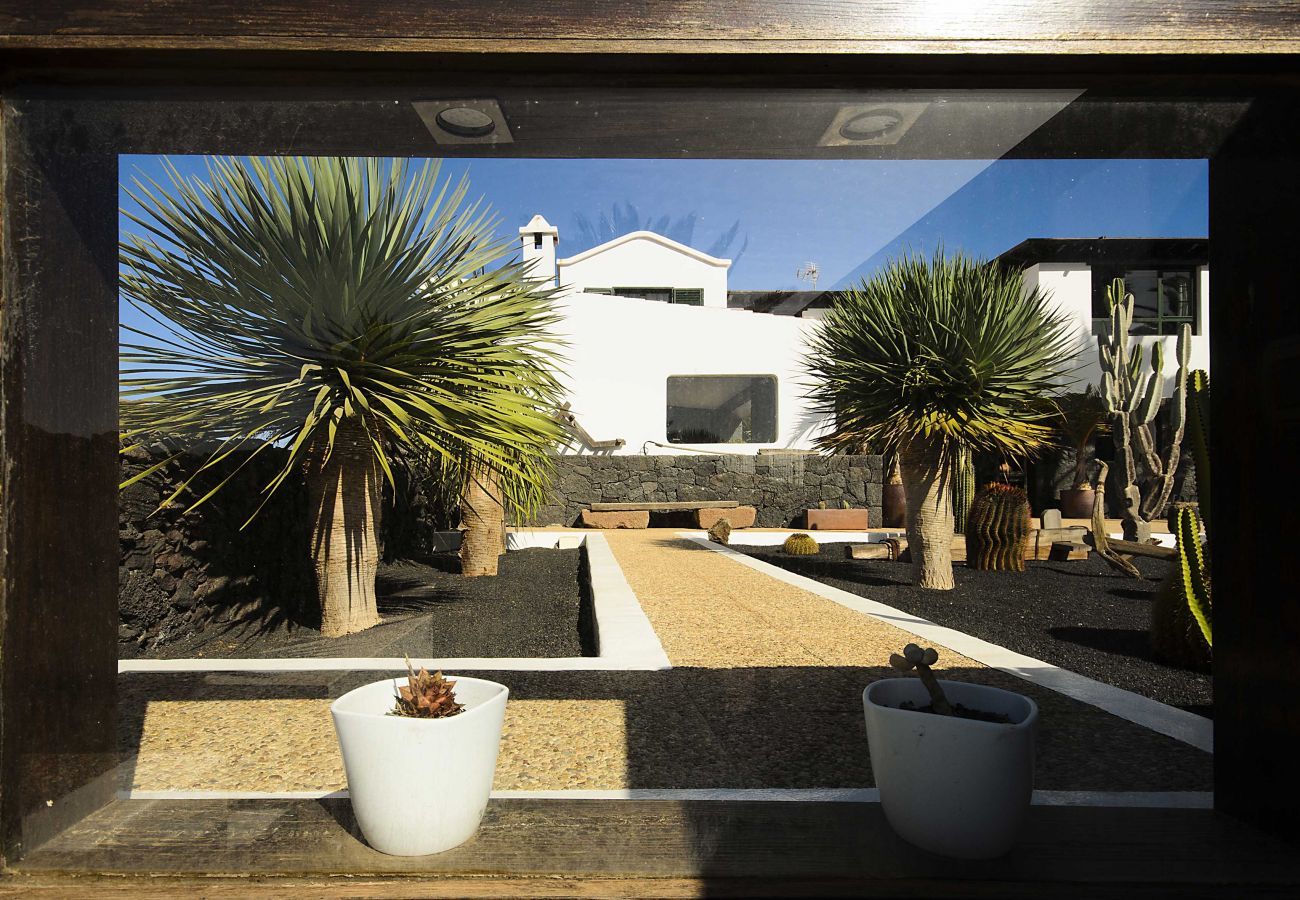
643 259
622 350
1070 285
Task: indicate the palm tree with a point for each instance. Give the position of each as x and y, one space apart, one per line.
929 356
347 311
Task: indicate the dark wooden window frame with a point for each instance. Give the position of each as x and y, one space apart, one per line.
58 361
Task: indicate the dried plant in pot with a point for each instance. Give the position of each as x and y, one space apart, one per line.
420 754
954 762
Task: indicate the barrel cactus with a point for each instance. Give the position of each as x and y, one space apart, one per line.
997 530
963 488
801 545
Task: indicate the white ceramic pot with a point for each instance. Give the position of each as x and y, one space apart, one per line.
419 786
958 787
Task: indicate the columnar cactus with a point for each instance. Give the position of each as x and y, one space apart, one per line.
1198 433
963 488
1133 403
1182 616
801 545
997 532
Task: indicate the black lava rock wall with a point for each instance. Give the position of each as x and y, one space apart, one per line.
780 485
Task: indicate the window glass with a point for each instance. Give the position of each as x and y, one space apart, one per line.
721 409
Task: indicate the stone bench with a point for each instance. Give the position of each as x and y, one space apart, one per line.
637 515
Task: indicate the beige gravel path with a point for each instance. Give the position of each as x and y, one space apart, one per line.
765 691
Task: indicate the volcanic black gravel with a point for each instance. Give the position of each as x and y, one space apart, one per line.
531 608
1079 615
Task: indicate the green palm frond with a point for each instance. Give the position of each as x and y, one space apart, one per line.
287 294
947 349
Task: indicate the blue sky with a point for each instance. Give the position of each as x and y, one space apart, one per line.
848 216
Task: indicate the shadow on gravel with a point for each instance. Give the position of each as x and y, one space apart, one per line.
1127 641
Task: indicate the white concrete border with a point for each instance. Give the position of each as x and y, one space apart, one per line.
625 639
1111 799
1168 720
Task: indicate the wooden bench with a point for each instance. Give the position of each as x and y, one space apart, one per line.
637 515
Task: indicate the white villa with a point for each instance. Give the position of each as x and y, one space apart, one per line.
663 358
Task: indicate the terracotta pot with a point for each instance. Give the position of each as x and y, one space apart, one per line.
894 501
1076 503
836 519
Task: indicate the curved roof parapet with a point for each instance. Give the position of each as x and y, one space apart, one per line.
646 236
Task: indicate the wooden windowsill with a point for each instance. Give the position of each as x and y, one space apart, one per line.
650 848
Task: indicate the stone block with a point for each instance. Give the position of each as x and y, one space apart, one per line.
1051 518
622 519
837 520
739 517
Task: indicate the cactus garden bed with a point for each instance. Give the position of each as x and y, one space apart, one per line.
538 606
1078 615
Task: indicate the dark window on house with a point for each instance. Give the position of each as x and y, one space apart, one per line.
686 296
537 241
660 294
721 409
1163 299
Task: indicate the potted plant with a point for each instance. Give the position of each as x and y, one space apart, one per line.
420 758
1080 417
893 497
954 762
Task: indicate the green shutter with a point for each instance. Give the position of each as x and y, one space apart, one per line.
689 296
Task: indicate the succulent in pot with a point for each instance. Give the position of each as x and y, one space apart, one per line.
451 729
954 762
1080 418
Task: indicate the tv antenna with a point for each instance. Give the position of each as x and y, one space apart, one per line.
808 272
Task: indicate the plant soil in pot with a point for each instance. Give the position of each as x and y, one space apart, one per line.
420 785
1076 503
958 785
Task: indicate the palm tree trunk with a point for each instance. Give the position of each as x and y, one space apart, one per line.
484 520
344 493
929 515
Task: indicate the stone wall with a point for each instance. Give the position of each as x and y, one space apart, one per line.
781 486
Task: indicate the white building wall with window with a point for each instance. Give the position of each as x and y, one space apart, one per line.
1071 289
645 260
622 352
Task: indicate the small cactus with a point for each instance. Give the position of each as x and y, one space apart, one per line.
801 545
720 533
914 657
426 696
997 531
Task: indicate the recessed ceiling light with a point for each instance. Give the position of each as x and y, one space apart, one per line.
871 123
464 121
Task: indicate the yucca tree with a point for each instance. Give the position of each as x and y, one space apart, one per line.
345 310
929 356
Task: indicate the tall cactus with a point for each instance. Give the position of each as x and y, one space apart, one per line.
1198 433
1182 616
963 488
1133 405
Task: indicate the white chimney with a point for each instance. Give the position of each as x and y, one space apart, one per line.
538 239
